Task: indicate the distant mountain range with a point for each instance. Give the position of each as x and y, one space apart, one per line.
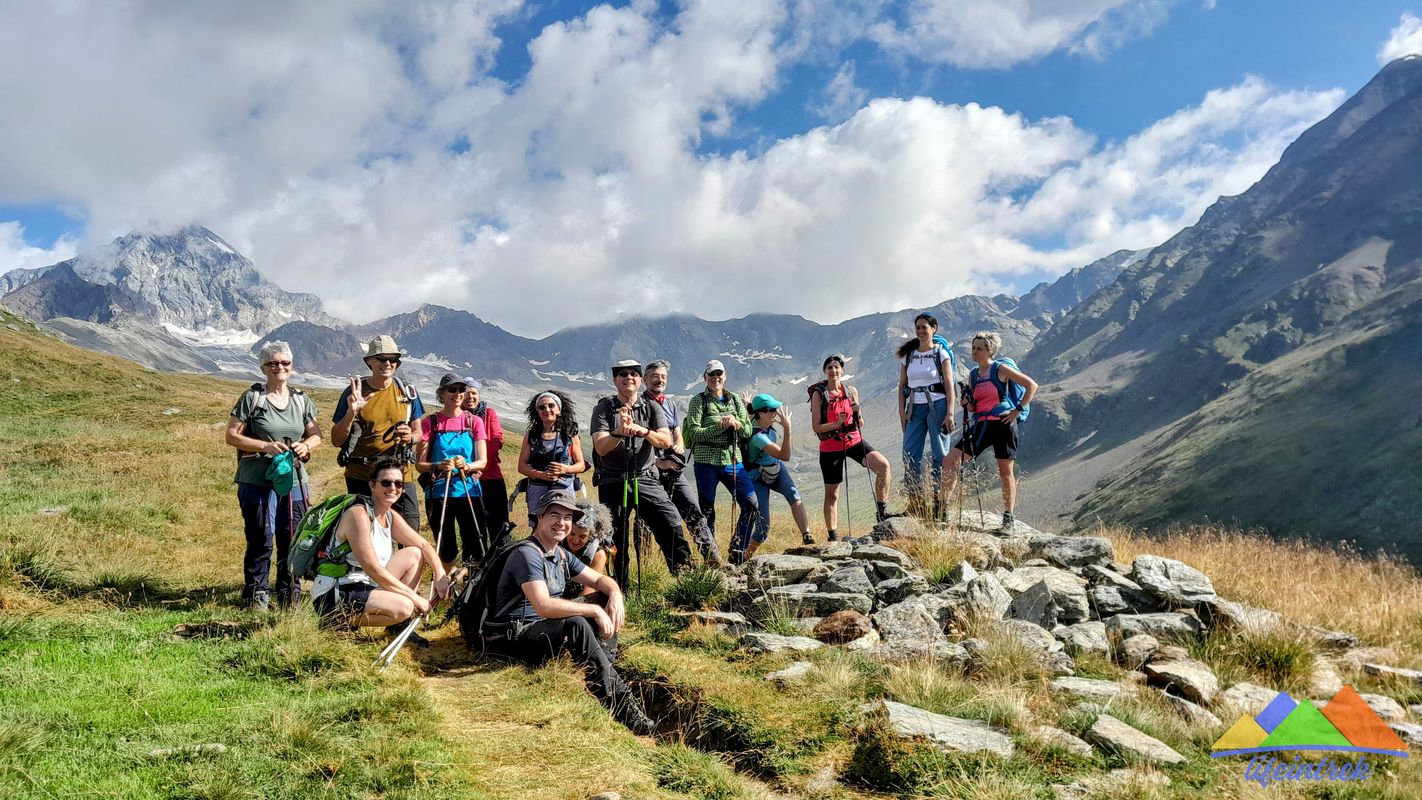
1260 367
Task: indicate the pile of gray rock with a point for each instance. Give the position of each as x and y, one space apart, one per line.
1059 597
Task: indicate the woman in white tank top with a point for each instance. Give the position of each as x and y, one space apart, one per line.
381 588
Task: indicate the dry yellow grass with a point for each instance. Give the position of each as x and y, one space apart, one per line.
1375 597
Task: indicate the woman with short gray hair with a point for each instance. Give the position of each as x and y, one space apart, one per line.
273 428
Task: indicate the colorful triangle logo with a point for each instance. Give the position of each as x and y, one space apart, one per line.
1346 723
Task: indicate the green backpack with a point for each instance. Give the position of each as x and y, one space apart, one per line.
312 552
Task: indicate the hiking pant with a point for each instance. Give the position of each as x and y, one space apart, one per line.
925 421
576 636
678 488
464 513
655 509
407 507
496 508
266 517
785 486
735 478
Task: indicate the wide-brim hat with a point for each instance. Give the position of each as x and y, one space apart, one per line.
563 498
382 345
627 363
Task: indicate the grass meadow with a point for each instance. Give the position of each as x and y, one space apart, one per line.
119 527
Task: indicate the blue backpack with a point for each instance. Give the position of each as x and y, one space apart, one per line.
1011 393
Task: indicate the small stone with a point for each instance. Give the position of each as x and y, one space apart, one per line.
939 651
1332 640
1195 714
1056 737
605 796
1108 601
842 627
888 571
1228 615
766 571
876 552
947 734
962 573
1075 551
1189 678
1409 732
791 674
1355 659
1088 688
762 642
1384 671
1247 698
823 551
986 599
718 618
907 620
1388 709
1112 734
1085 638
1068 591
866 642
1171 652
1324 680
170 411
53 511
1136 650
898 589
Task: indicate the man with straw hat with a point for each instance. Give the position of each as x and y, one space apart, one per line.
373 421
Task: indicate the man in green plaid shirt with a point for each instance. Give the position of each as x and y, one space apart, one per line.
716 423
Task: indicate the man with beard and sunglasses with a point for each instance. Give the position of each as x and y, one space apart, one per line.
672 462
627 429
372 422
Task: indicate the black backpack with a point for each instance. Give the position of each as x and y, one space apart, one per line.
479 618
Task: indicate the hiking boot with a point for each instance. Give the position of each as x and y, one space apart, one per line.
833 537
413 640
738 557
806 538
711 555
261 601
631 715
1008 521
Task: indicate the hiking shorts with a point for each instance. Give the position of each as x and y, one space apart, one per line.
832 461
342 603
995 433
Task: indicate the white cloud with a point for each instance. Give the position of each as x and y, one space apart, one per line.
1404 40
16 253
842 96
319 141
1000 33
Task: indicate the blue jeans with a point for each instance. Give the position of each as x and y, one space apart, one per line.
786 487
925 421
267 518
735 478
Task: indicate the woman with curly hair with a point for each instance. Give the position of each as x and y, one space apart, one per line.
551 454
591 541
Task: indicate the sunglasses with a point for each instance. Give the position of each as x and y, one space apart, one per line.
547 407
455 389
275 364
387 359
716 374
388 483
623 373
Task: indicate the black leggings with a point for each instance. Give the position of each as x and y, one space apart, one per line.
473 528
575 636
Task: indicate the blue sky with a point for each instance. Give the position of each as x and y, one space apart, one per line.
660 156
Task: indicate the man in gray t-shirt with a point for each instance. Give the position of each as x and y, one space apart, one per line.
545 624
627 430
672 465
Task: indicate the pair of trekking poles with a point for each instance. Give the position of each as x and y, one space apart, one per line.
392 649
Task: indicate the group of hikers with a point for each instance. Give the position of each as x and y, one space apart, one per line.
561 588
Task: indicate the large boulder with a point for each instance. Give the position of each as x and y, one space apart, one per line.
1068 591
986 599
1089 688
875 552
1060 739
1163 625
768 570
1112 734
947 734
1108 601
1048 652
910 620
896 589
1136 650
852 578
904 527
1188 678
1246 698
1224 614
1035 605
1073 552
1401 674
939 651
813 603
1177 584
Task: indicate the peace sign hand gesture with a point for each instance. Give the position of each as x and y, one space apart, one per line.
357 399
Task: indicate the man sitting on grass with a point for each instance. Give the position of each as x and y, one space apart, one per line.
543 624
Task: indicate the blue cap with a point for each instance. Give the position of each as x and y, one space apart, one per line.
764 402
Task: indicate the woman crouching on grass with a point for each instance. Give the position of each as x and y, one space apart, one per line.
381 586
591 541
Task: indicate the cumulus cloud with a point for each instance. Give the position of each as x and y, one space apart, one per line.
371 156
1404 40
15 253
1000 33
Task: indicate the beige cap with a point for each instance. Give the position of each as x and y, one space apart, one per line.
713 366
